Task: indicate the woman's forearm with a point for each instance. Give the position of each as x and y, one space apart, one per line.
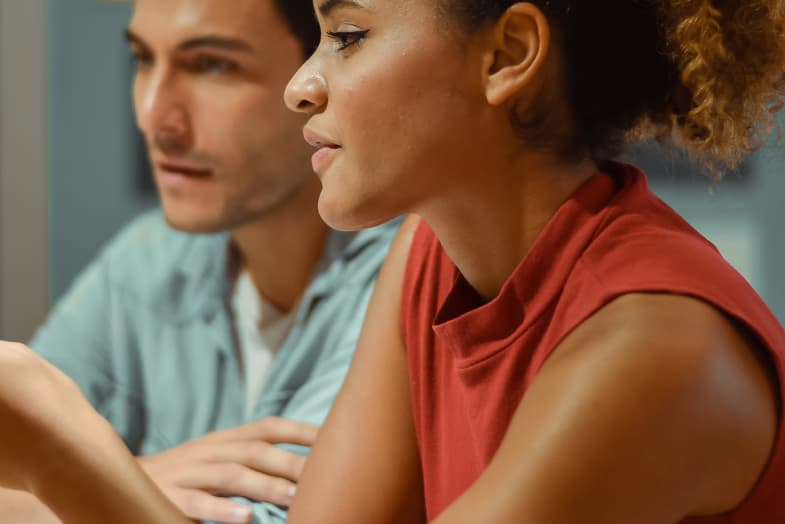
103 483
19 507
56 446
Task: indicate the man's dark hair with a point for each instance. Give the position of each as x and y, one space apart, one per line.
299 14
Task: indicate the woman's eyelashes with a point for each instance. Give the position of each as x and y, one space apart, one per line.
346 39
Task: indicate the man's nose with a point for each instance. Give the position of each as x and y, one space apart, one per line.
162 114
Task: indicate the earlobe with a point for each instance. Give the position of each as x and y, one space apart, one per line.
521 42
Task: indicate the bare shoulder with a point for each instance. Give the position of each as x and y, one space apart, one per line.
685 336
683 358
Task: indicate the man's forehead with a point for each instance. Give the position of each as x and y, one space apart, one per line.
241 18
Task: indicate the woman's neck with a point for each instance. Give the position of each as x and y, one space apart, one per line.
488 224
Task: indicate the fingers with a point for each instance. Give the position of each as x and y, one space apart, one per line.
264 458
240 481
242 462
274 430
203 506
253 454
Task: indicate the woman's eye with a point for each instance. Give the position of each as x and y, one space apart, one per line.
347 39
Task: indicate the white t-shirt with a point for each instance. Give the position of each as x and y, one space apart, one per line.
261 330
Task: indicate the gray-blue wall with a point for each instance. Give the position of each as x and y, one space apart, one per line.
93 169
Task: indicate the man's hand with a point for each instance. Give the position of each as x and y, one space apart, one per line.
242 462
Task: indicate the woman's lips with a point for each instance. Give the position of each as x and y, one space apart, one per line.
327 150
321 160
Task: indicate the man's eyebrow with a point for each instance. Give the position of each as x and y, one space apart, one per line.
330 5
214 41
134 39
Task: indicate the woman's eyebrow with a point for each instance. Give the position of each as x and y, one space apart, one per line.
331 5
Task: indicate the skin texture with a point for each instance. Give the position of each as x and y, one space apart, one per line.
486 200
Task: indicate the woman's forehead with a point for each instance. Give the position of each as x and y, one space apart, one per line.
327 8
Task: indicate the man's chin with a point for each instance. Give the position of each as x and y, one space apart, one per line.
194 223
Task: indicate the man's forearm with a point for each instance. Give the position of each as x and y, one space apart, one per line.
18 507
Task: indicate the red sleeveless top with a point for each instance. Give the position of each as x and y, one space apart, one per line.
471 362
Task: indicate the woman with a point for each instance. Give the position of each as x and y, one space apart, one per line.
549 343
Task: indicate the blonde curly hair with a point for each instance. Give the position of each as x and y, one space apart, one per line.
730 56
708 75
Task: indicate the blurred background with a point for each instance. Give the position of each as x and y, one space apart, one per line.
72 168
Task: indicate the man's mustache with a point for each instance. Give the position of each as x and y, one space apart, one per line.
155 150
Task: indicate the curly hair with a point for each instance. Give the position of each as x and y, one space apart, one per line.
708 75
731 59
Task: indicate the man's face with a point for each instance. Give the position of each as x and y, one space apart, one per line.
208 93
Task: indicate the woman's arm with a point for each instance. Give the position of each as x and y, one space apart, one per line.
365 466
19 507
656 408
54 445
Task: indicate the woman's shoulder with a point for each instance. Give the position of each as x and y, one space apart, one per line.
641 244
685 362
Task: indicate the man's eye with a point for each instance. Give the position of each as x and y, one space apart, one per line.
346 39
216 66
141 60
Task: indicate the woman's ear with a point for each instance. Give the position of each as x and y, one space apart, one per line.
520 44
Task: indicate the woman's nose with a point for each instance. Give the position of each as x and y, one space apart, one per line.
307 90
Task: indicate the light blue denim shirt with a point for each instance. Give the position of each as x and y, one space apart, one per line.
146 331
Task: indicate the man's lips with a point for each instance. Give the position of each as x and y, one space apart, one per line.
182 168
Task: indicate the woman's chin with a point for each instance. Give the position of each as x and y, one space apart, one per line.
343 216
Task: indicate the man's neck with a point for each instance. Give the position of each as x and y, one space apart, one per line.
281 253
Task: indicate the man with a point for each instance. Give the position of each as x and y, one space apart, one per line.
250 311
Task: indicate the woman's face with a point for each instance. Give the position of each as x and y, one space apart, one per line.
397 108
